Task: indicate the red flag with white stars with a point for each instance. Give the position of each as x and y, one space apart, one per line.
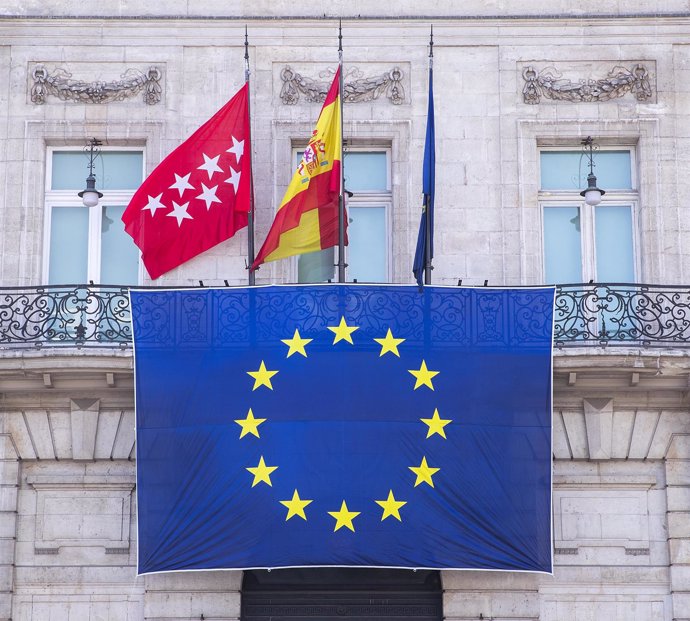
199 195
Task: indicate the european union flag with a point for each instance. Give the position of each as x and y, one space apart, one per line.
425 236
346 425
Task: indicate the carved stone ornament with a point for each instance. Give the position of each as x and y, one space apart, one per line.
548 83
60 84
357 89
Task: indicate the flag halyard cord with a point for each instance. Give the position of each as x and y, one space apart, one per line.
250 216
341 200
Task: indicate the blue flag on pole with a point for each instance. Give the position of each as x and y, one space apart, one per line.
343 425
428 190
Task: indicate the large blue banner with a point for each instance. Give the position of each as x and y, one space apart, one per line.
343 425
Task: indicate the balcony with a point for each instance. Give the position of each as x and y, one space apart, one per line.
585 315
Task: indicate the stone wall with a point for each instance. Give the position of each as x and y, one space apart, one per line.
490 128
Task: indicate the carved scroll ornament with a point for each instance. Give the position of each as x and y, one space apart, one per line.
548 83
60 84
355 90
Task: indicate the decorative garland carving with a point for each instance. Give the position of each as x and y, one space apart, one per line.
59 84
356 90
619 81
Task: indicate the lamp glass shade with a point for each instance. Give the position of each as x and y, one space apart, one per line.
593 196
90 198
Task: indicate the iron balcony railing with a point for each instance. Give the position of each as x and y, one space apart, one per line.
601 314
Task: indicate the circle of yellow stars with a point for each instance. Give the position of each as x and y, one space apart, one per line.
344 517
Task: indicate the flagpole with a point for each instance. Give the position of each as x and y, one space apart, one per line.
250 215
341 200
427 197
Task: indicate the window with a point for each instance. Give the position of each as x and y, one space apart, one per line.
90 244
584 242
367 176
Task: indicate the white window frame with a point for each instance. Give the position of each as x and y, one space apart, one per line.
70 198
571 198
363 199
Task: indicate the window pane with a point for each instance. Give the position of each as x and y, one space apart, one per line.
316 266
69 230
366 253
562 247
366 171
114 170
567 170
119 255
614 243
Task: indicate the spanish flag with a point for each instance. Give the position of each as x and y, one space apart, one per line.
307 219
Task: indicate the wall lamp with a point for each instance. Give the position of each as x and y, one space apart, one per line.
90 194
592 194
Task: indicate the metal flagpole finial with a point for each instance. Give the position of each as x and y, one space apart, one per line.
431 42
340 35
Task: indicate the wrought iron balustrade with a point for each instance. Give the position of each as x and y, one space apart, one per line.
82 315
584 315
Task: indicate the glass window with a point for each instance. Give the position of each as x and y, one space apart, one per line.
367 247
567 170
114 170
562 245
367 177
90 244
69 248
119 255
581 242
614 248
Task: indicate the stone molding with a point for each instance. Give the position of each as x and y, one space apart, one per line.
59 83
101 512
357 87
550 84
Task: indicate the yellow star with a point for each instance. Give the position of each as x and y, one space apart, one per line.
436 424
250 424
389 344
262 472
296 344
344 517
262 377
391 506
423 376
342 331
295 506
424 473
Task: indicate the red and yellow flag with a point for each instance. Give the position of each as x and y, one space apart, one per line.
307 219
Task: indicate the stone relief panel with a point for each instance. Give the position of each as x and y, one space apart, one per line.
52 81
310 85
601 521
82 513
588 82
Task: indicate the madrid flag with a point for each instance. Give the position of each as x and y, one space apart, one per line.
199 195
307 219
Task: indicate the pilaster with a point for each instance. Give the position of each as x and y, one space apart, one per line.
678 495
9 484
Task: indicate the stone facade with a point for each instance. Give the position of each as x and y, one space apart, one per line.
621 415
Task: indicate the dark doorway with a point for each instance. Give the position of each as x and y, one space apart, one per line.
341 594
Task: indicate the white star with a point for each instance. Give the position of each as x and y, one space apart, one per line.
180 212
210 165
154 204
234 178
209 196
237 148
182 183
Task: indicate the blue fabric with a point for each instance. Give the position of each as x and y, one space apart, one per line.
343 423
428 189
